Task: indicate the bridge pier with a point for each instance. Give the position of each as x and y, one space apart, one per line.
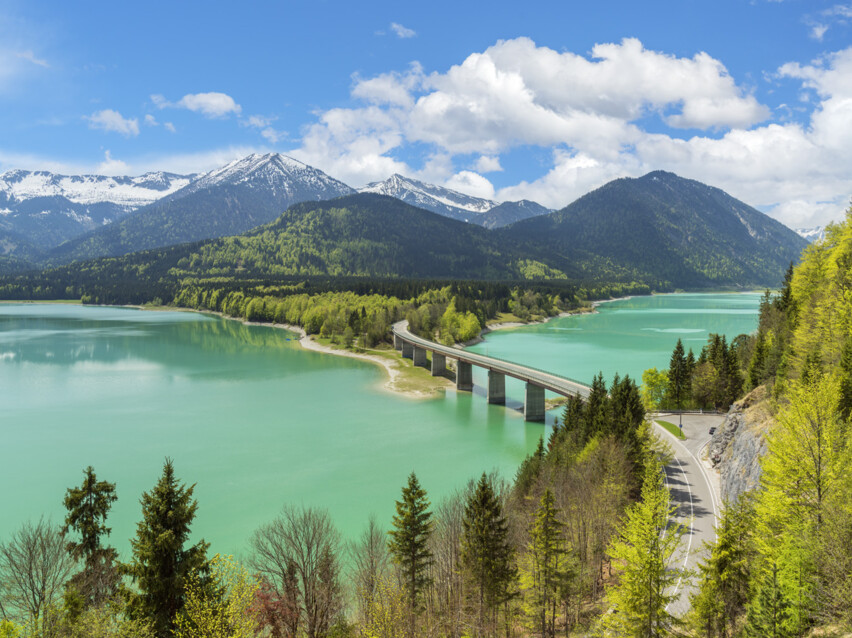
407 350
397 343
534 403
464 376
420 357
496 387
439 364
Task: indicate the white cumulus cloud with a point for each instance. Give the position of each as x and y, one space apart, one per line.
213 104
110 120
593 113
112 166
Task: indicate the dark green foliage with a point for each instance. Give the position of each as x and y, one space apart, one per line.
757 365
486 552
717 380
662 227
679 384
618 413
162 564
408 542
546 566
88 507
530 469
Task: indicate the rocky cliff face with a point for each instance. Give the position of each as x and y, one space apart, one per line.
738 445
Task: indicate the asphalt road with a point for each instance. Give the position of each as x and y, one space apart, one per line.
694 489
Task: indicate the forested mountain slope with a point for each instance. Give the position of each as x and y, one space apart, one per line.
665 227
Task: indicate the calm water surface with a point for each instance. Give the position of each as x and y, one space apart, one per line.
255 421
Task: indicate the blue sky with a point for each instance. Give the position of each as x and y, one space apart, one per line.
537 100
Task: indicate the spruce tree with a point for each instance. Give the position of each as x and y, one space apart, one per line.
757 365
678 375
161 565
769 615
88 507
486 553
408 543
545 566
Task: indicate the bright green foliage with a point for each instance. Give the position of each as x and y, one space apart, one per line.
88 507
647 571
545 567
161 566
408 542
678 377
725 576
486 553
844 403
808 455
770 615
457 327
654 385
231 615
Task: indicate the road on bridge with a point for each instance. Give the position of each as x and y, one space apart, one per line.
554 383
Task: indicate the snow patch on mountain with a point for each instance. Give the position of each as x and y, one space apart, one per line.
127 192
428 196
813 234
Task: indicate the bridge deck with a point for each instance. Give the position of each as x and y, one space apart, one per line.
552 382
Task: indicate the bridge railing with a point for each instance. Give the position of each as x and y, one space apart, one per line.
498 359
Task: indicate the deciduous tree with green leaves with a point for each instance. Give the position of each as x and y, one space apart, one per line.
643 552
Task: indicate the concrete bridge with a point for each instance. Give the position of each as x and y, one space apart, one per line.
537 381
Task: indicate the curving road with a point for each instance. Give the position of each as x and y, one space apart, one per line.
694 489
554 383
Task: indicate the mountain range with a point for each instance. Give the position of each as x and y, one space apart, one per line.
44 209
660 229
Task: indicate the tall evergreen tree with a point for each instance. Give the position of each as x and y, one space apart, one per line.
409 543
161 565
487 554
757 365
644 588
678 376
544 567
769 615
88 507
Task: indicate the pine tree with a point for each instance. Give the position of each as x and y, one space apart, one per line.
408 543
88 507
678 375
486 552
645 554
161 566
544 567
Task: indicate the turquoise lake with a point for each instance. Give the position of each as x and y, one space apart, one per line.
255 421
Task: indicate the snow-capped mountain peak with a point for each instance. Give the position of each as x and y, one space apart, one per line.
428 196
272 170
813 234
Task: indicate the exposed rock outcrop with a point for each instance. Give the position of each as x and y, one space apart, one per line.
739 443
